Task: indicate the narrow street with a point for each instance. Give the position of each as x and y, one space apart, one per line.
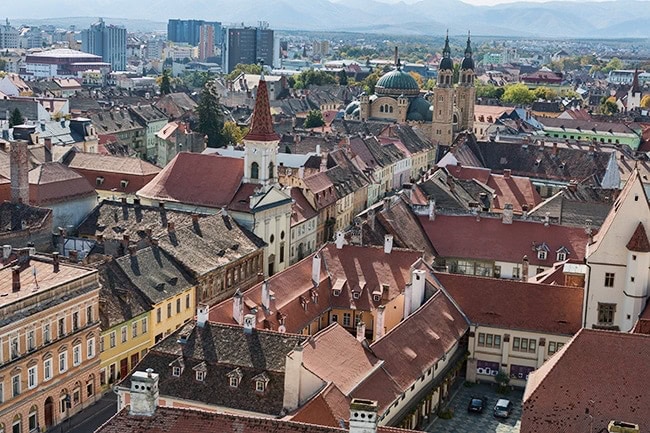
88 420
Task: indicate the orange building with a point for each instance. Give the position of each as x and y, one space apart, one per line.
49 328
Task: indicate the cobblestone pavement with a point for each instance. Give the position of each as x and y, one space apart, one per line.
464 422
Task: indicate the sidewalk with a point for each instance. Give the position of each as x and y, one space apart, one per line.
89 419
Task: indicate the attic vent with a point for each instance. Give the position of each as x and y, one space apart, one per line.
235 247
160 286
173 281
221 253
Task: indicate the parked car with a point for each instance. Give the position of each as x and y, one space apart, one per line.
503 408
477 404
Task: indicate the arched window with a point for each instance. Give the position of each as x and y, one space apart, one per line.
255 171
381 108
271 174
32 420
390 109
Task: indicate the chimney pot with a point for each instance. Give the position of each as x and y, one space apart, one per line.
507 173
170 227
73 256
195 218
202 314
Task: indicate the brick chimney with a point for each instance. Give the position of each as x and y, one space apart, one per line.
508 214
378 326
432 209
507 173
48 149
524 269
15 279
266 295
361 331
238 307
19 170
73 255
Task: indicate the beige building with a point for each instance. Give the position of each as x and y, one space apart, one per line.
49 365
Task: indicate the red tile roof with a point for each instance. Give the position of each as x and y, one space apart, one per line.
411 348
322 356
639 240
53 182
515 304
490 239
167 419
328 407
197 179
262 124
599 376
301 210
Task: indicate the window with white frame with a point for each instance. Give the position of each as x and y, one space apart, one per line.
90 348
144 325
76 355
32 377
200 376
234 382
47 369
561 256
541 254
15 348
176 371
63 362
134 329
112 339
260 386
123 332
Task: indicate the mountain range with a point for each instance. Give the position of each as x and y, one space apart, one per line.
605 19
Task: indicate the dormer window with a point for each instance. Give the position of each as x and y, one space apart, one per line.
561 254
176 371
200 371
561 257
261 381
356 295
376 297
99 181
541 254
124 183
542 251
336 292
234 377
200 376
178 365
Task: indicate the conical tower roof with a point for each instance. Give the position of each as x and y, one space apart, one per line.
468 61
446 63
262 123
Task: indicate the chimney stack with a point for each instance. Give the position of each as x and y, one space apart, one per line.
19 171
132 250
15 279
144 393
363 416
238 307
378 327
507 173
202 314
340 240
361 331
73 255
555 149
6 251
508 214
48 148
292 379
524 269
418 278
388 244
315 269
170 227
249 323
432 209
56 262
408 296
266 295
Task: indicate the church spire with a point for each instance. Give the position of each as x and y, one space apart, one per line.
468 49
446 52
262 123
446 64
635 82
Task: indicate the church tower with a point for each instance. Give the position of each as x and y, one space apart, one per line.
261 142
635 93
443 99
466 91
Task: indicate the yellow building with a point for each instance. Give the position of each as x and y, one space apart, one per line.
48 338
145 296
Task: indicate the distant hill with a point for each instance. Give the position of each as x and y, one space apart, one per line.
608 19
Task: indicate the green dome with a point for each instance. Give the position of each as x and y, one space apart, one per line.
419 110
396 83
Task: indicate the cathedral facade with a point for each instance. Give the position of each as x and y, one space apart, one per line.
447 109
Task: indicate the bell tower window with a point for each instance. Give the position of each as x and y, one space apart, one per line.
271 167
255 171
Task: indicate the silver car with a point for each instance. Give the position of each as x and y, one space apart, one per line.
503 408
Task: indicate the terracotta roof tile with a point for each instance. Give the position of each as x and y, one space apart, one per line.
191 421
262 124
509 304
597 371
639 240
490 239
301 210
192 178
53 182
327 408
322 356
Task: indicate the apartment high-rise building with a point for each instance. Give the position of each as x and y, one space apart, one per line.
8 36
206 41
189 31
108 41
248 45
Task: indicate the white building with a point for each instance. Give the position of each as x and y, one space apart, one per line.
618 259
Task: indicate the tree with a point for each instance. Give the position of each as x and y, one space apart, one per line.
232 134
502 379
517 94
614 63
16 118
211 121
609 107
314 119
165 83
343 77
243 68
645 101
418 78
309 77
543 92
371 80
